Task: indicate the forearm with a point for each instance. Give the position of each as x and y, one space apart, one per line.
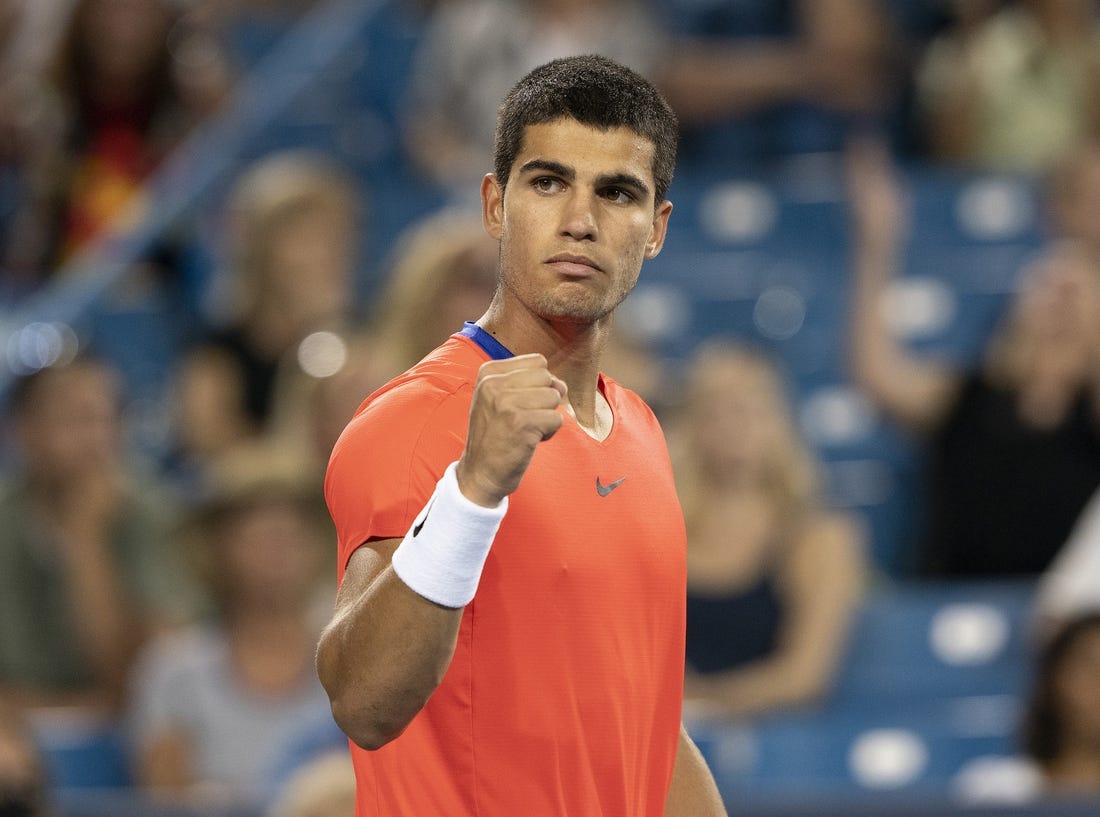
759 687
874 267
914 390
693 792
382 656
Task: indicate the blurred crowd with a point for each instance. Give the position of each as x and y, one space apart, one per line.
176 599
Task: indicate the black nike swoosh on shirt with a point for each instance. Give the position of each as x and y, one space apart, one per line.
423 519
604 490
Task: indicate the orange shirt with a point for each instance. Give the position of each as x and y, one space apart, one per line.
564 693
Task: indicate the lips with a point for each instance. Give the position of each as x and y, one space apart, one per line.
574 265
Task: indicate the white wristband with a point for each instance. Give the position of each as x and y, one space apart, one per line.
442 555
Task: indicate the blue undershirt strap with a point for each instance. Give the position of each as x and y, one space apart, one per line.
493 347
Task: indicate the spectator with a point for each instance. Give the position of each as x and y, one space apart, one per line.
293 219
1060 726
1012 88
474 50
116 108
1013 446
774 577
84 572
1062 722
213 706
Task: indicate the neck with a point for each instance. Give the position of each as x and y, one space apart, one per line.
573 352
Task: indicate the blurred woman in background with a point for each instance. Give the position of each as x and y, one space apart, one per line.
1014 442
774 576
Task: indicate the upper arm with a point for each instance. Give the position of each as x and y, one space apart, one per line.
364 565
386 465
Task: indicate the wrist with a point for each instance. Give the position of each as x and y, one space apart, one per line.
475 490
444 551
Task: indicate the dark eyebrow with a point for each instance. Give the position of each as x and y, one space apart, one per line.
610 180
624 180
557 168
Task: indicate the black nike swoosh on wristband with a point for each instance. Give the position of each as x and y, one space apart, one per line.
423 519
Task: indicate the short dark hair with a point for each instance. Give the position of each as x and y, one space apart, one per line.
594 91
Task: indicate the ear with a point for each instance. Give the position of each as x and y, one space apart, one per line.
658 230
492 206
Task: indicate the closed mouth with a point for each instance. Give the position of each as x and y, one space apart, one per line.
580 264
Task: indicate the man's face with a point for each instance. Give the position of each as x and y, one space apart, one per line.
577 220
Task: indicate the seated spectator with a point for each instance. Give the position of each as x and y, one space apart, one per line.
293 220
85 575
1013 445
117 106
1059 757
1062 721
213 706
774 576
1011 88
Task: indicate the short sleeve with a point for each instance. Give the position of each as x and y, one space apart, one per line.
385 465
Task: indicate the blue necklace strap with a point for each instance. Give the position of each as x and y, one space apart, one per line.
493 347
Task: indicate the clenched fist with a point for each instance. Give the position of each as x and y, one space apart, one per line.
514 409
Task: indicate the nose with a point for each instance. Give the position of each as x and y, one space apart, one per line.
579 217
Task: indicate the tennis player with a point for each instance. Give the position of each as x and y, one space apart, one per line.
508 636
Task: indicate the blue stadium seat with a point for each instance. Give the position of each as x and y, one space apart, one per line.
838 753
937 640
82 751
933 678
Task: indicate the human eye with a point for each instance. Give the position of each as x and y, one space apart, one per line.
618 195
546 184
